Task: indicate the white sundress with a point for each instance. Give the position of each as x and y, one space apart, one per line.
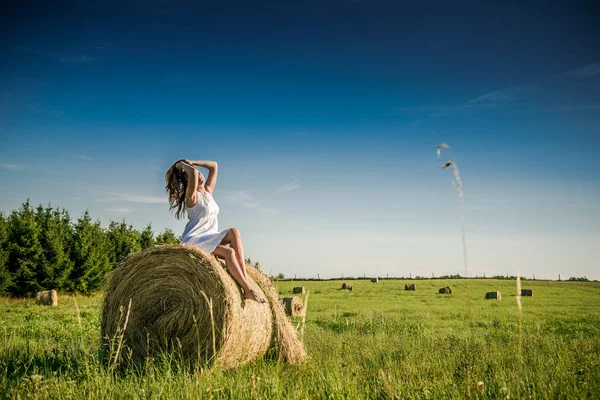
202 229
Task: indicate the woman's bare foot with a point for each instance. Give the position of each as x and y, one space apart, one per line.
254 295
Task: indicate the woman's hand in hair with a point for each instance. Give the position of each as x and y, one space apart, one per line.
184 165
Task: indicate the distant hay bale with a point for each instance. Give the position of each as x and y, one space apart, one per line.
348 286
374 280
493 295
299 290
47 298
445 290
526 292
170 289
293 306
410 286
344 285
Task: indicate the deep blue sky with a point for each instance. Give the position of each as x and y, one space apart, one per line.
324 117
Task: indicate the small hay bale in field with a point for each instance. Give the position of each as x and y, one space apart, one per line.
526 292
183 302
299 290
349 286
446 290
47 298
374 280
344 285
493 295
410 286
293 306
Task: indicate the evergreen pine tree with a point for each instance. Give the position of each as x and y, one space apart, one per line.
123 240
56 237
147 237
167 237
25 253
89 253
5 280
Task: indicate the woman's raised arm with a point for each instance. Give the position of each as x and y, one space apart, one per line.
213 171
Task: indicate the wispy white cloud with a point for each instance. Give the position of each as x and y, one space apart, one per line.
83 157
584 72
238 196
123 210
10 166
568 108
131 198
269 211
497 97
63 58
289 186
257 207
244 198
547 94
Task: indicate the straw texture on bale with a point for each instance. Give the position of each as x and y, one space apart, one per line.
446 290
374 280
526 292
47 298
347 286
299 290
183 301
293 306
410 286
493 295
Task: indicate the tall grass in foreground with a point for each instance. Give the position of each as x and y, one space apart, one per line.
378 341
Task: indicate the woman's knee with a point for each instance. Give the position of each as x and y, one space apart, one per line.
235 232
229 252
225 252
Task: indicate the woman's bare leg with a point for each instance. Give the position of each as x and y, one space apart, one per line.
228 254
234 239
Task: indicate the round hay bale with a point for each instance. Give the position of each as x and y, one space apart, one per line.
178 299
410 286
445 290
293 306
374 280
526 292
299 290
47 298
493 295
344 285
349 286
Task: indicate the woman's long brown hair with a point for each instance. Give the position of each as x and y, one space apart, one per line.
176 185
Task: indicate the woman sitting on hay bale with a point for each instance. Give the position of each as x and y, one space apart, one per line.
190 193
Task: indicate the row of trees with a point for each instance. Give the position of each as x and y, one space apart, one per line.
42 248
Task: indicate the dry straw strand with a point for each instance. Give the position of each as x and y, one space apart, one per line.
304 314
122 335
212 321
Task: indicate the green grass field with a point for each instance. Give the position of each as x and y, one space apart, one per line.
378 341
